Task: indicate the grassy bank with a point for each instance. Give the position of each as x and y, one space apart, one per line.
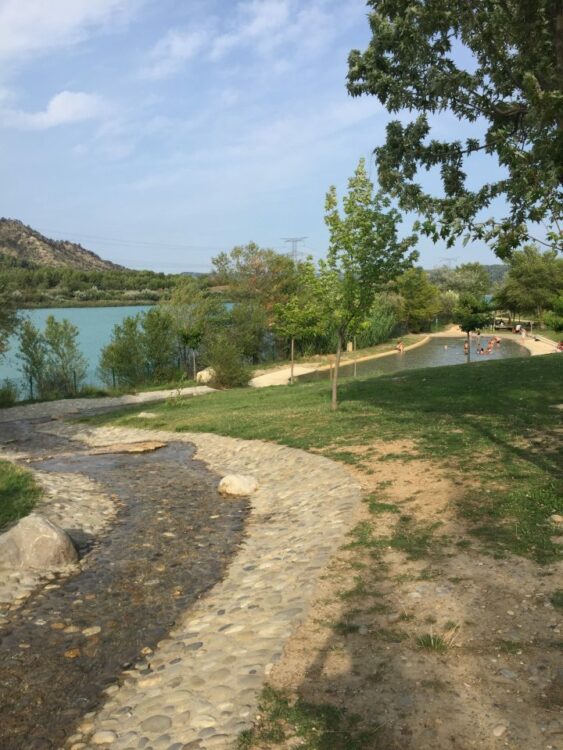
462 471
494 420
18 493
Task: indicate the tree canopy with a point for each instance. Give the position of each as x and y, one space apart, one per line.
533 282
497 63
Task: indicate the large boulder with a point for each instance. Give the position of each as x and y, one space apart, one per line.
35 543
205 376
238 485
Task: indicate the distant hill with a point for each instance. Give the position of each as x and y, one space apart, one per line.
21 246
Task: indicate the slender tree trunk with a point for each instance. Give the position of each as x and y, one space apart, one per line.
291 378
334 403
195 367
468 348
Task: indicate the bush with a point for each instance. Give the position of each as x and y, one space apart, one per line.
224 356
8 393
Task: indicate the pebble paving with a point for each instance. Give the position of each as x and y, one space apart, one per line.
198 689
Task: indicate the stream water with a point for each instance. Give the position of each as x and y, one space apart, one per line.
172 540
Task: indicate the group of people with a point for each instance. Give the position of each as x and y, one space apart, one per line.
493 341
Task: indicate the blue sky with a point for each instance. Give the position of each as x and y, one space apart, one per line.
159 132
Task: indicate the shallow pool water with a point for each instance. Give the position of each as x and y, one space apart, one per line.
436 353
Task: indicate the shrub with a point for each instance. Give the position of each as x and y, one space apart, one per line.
8 393
224 356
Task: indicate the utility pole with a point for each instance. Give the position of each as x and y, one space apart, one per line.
294 241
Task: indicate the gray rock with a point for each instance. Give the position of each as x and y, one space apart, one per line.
36 543
238 485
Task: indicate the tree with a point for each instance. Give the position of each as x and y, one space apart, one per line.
122 360
32 355
252 272
8 322
421 299
52 359
471 314
496 62
533 282
468 278
364 252
196 313
66 367
299 317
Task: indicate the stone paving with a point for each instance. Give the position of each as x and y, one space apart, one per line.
66 407
200 687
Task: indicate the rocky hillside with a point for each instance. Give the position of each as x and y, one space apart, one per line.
22 246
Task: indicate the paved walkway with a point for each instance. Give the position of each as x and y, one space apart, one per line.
66 407
200 686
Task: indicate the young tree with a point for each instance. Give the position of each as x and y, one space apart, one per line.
66 367
8 321
421 299
364 252
499 62
33 356
471 314
298 318
122 360
52 359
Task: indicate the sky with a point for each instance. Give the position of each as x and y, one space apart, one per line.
159 132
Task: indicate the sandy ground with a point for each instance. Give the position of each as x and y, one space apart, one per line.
498 684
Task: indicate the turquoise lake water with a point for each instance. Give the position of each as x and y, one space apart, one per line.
95 325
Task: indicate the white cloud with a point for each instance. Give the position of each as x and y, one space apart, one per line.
282 31
172 52
64 108
29 27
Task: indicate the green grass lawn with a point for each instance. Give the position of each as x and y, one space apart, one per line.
18 493
495 421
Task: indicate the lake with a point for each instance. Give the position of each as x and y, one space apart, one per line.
95 325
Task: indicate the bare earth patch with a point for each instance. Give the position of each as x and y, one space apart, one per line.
433 643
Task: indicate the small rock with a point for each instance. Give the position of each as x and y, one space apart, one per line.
238 485
72 653
499 730
393 617
146 415
104 737
556 519
156 724
94 630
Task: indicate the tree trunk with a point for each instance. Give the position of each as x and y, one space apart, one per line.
291 379
334 403
468 348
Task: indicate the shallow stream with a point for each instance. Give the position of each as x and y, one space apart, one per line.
172 540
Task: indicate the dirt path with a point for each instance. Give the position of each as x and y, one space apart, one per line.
433 643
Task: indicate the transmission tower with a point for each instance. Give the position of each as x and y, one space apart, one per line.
294 241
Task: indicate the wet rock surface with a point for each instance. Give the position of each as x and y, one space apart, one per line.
171 540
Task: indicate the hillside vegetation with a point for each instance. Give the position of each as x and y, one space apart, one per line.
22 246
